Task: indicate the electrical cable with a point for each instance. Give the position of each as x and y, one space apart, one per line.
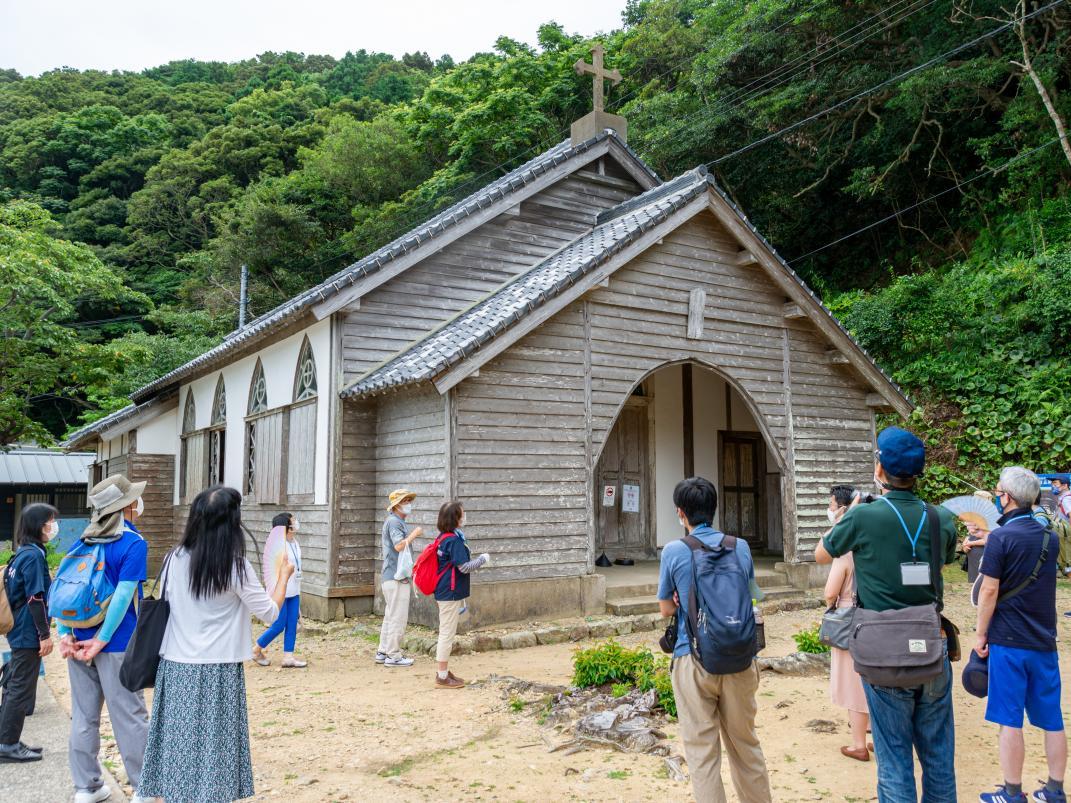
987 172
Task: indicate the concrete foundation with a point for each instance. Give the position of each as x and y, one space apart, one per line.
805 575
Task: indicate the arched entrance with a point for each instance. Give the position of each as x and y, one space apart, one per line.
685 419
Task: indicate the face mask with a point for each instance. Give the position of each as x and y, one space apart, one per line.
832 516
294 526
683 522
1000 504
461 523
51 530
139 508
407 509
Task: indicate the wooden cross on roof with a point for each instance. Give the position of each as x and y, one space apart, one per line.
599 74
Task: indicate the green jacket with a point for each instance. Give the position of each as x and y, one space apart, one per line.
879 544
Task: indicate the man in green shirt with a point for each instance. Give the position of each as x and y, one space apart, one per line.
890 543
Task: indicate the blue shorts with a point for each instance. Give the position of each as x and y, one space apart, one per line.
1024 680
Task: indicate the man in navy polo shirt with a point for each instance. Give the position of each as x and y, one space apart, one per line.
1017 631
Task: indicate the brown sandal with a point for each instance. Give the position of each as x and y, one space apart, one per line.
858 753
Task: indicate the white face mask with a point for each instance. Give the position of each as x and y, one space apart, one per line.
139 508
294 525
51 530
461 523
683 521
832 516
407 509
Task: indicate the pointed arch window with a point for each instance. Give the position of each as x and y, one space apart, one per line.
258 391
263 478
301 430
217 434
191 451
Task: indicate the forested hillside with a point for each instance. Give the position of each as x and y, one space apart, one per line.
143 193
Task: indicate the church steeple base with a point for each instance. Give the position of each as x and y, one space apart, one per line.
594 123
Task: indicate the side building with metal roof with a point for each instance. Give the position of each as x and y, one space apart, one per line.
29 474
557 351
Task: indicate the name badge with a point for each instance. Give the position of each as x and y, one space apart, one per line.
915 574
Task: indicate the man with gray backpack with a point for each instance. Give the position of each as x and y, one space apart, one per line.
707 583
899 641
94 600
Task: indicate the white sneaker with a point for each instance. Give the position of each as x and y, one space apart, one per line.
402 661
85 796
381 657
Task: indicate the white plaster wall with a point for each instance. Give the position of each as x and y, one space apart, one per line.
280 364
669 451
157 435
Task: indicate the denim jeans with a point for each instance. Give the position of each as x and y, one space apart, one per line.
918 717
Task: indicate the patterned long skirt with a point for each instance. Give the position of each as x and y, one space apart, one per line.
198 748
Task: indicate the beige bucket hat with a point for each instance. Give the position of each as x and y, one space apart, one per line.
399 497
113 494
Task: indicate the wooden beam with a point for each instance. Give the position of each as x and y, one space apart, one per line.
745 258
837 357
697 302
799 294
688 419
437 242
793 311
496 346
878 402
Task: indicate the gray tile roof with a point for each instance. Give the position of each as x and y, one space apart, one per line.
82 436
457 338
495 191
31 466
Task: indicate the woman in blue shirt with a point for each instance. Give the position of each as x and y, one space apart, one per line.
26 581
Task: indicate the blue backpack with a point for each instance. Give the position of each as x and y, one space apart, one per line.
721 622
81 592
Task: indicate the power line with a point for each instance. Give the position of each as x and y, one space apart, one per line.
987 172
887 82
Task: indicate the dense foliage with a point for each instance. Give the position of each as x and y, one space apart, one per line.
296 164
625 668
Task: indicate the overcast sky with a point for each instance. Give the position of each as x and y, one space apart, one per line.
134 34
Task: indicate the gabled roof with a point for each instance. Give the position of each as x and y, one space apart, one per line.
27 465
126 417
512 182
616 228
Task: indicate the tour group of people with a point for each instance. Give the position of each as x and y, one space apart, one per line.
885 553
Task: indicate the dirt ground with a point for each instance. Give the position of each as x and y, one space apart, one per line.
347 729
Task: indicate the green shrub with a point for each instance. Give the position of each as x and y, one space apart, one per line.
659 679
609 662
620 689
807 641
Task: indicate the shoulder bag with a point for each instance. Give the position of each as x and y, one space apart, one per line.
142 657
904 647
836 627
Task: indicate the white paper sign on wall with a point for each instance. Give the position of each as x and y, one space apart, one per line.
630 498
609 495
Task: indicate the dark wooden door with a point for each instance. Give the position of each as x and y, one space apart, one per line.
743 480
622 521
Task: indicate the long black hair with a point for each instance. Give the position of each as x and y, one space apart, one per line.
215 541
30 529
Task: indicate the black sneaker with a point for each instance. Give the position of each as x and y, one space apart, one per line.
32 749
18 752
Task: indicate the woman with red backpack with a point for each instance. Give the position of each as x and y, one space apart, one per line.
455 563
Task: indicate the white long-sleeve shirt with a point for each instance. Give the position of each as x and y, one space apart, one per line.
215 629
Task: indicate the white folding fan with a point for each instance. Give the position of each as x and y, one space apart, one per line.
974 510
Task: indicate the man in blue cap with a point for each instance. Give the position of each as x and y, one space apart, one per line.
889 538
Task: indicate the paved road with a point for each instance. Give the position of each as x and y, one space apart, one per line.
47 780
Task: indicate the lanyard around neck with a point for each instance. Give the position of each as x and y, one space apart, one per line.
913 541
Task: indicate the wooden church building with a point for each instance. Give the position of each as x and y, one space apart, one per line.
557 351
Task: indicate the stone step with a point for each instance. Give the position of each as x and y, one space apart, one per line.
629 591
648 603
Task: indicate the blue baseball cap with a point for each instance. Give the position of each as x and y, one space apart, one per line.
901 453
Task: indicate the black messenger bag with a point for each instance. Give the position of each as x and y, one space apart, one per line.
905 647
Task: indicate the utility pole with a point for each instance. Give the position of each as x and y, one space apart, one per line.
243 297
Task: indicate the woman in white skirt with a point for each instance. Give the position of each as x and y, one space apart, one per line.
198 747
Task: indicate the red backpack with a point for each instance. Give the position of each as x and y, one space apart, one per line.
426 574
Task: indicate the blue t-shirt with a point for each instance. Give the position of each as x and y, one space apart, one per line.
26 576
675 574
124 559
452 552
1027 620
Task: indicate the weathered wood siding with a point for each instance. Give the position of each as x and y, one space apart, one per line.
408 306
522 447
157 523
358 510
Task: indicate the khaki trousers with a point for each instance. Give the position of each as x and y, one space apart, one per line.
449 613
712 707
395 617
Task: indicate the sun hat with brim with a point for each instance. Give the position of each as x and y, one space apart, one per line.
399 497
976 675
113 494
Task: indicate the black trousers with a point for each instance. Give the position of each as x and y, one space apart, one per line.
20 693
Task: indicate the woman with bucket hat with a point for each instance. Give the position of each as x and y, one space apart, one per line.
94 649
397 584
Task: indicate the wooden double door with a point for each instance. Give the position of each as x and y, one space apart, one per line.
743 483
622 490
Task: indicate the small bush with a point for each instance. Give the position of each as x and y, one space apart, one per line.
807 641
620 689
609 663
659 679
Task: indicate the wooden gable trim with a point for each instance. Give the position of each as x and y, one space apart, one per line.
140 417
806 303
346 298
468 366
